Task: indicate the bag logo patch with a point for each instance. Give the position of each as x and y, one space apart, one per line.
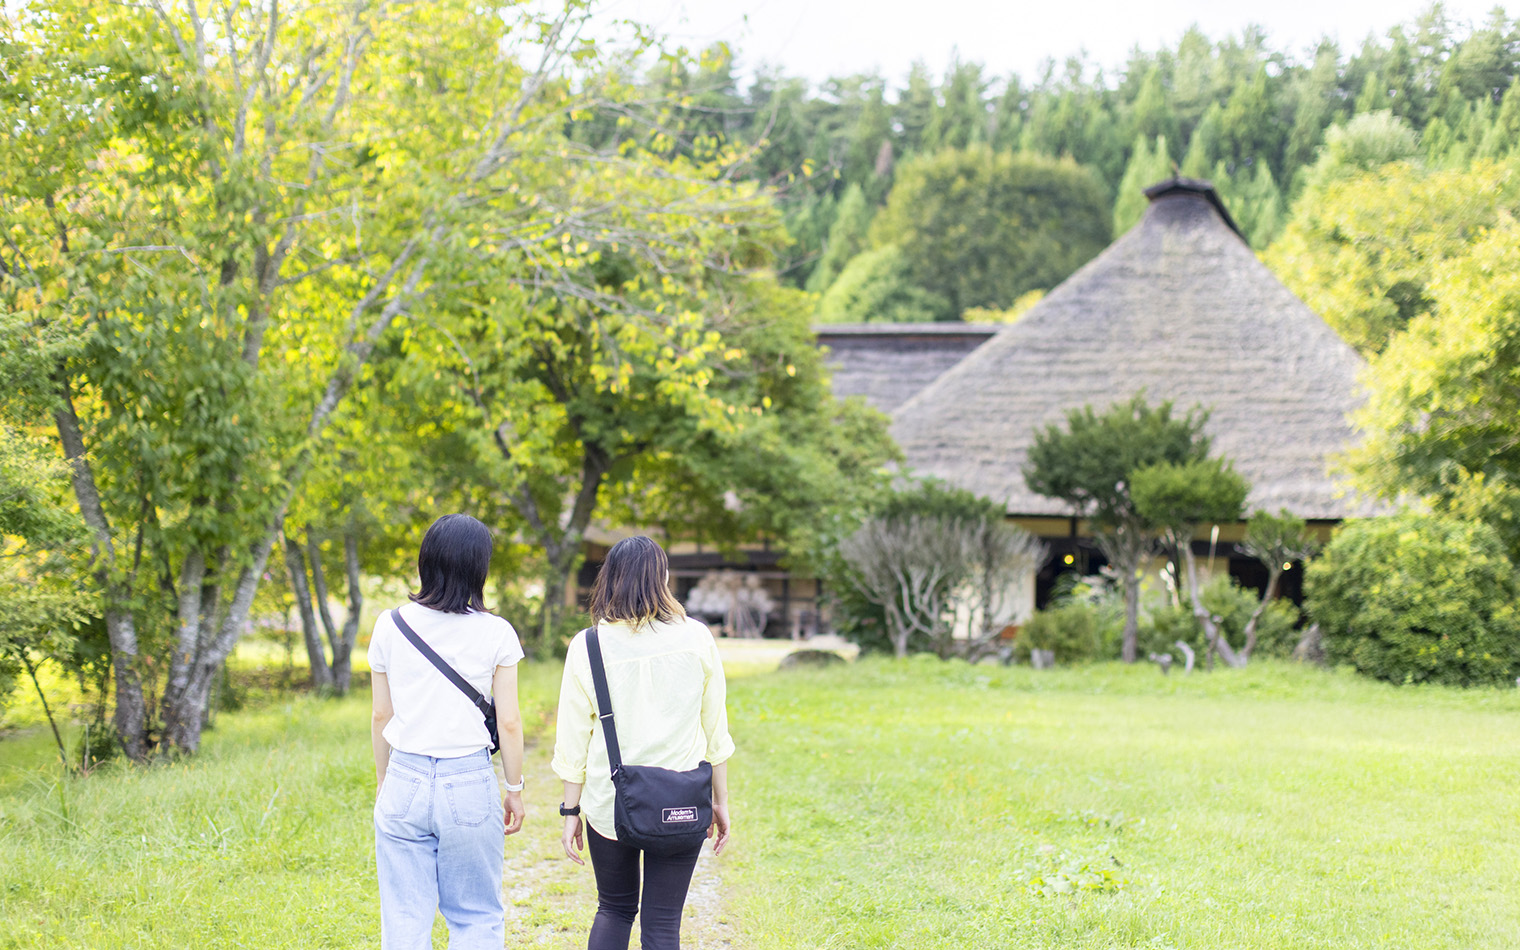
679 815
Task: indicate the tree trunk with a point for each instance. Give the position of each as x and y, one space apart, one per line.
343 649
319 590
31 670
1274 574
1210 629
1131 648
1125 546
131 716
556 581
188 712
295 564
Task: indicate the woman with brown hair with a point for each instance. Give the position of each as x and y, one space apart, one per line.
665 682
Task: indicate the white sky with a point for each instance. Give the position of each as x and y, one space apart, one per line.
822 38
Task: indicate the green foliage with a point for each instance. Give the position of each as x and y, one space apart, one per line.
1418 598
1177 498
1254 200
855 615
981 228
1277 630
874 287
1076 631
1364 251
847 238
1146 167
1090 462
1444 409
1367 142
1277 539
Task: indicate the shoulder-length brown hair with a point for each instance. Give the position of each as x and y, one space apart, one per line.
633 585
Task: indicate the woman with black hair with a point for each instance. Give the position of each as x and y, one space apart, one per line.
440 817
665 683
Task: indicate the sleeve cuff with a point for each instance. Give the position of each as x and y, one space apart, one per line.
568 773
720 753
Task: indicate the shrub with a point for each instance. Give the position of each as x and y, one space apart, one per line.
1418 599
1077 631
1276 632
855 617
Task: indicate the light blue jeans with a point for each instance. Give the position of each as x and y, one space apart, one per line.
439 837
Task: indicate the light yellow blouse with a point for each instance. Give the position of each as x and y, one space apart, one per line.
667 688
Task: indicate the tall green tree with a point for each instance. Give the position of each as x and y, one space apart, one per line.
244 183
1178 499
1090 462
1147 166
1363 250
982 228
1443 417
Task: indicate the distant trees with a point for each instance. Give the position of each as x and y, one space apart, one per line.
980 228
1232 109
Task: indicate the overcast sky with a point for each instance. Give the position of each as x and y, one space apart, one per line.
822 38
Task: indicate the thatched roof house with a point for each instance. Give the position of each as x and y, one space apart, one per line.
888 363
1178 307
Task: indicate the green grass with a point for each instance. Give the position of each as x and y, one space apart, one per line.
883 804
923 805
263 840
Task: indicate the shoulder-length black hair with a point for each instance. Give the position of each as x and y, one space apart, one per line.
634 584
453 562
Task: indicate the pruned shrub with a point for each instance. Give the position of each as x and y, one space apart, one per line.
1418 599
1276 630
1075 631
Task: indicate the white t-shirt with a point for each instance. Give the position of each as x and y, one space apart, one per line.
432 715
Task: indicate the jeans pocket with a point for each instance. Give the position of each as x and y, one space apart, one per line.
397 794
472 798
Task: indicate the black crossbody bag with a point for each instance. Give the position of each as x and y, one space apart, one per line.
660 810
486 707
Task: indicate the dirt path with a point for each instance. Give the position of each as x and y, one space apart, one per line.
550 900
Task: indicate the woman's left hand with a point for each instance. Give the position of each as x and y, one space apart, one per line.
512 805
720 827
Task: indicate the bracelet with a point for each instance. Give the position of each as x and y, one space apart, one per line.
518 787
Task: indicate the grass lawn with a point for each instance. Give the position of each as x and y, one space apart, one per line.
881 804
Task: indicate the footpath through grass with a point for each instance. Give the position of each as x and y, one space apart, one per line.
880 804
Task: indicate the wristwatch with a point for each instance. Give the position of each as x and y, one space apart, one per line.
569 812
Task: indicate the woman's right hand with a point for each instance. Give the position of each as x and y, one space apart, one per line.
573 838
720 826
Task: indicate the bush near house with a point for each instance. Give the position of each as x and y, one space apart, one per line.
1076 631
1418 599
1276 631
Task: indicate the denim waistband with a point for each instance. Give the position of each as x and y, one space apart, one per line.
432 765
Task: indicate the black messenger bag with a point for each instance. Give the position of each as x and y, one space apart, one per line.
659 810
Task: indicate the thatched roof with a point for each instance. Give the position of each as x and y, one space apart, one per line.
888 363
1178 307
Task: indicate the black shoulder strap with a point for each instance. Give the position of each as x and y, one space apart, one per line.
603 699
474 695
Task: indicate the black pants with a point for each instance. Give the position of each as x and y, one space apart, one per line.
666 879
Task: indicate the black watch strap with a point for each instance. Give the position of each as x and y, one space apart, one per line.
569 812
